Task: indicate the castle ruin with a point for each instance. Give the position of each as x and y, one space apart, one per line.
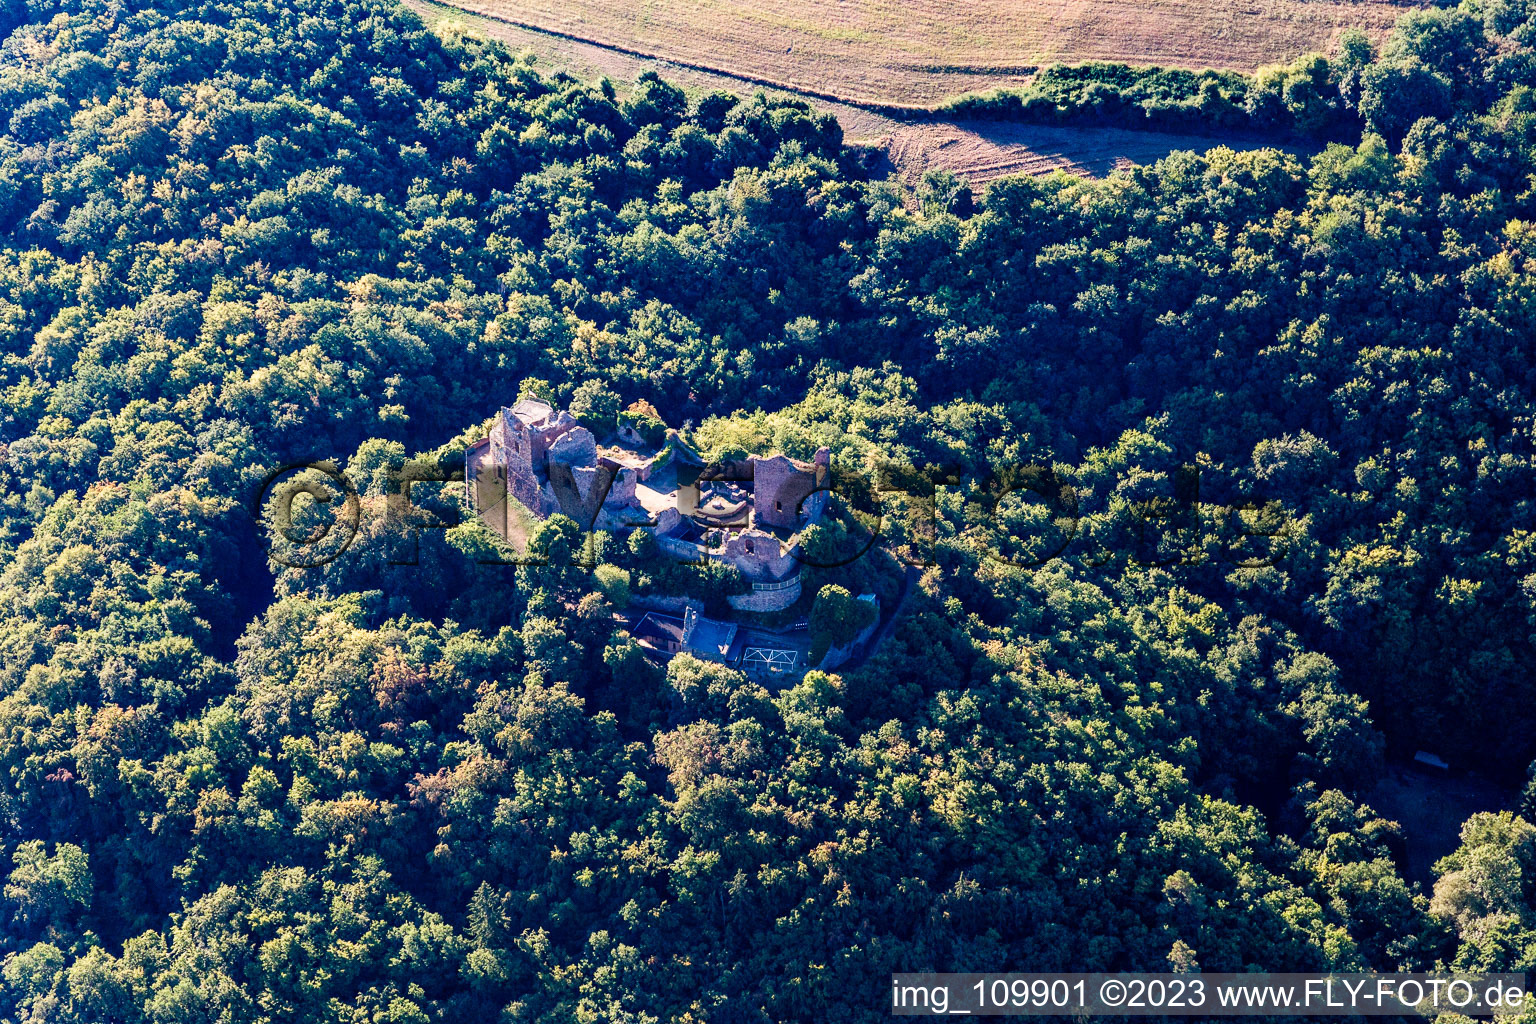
748 513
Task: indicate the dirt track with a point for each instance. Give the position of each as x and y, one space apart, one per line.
977 150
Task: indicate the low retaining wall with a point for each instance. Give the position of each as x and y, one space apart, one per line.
775 600
670 605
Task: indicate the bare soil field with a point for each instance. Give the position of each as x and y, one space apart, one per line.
977 150
920 52
980 151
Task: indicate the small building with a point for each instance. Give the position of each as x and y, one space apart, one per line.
660 636
709 638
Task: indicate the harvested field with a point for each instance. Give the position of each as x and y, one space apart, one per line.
980 151
977 150
920 52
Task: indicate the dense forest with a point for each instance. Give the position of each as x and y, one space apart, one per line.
1216 478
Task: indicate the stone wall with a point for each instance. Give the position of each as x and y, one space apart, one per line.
666 520
574 447
543 436
760 556
671 605
621 492
766 600
577 491
681 550
788 494
511 448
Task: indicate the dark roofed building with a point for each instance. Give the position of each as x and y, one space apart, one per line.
708 638
659 634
